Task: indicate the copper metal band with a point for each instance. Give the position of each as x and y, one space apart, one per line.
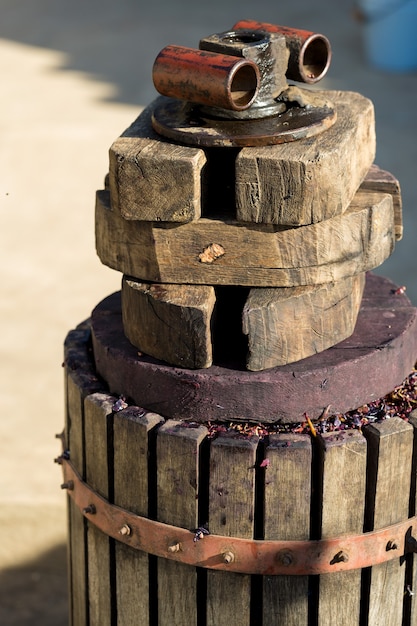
235 554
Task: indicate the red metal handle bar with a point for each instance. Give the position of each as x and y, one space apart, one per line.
209 78
310 53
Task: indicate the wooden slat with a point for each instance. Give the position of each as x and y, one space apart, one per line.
81 380
169 322
98 417
322 316
307 181
385 182
178 453
153 179
231 512
132 430
390 447
343 503
287 517
261 255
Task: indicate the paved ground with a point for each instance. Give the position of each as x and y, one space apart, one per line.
74 75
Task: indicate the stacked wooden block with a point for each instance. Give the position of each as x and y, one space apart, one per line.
255 257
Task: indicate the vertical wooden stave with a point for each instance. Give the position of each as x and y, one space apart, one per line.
80 381
132 431
178 450
390 447
287 485
231 513
343 502
98 457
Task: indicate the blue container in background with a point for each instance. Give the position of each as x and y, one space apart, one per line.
390 34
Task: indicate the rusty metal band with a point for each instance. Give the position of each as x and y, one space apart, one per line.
234 554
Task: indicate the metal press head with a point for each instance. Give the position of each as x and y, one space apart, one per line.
242 75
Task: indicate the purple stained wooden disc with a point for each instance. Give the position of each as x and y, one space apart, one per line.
372 362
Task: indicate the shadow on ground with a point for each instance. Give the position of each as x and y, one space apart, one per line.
35 593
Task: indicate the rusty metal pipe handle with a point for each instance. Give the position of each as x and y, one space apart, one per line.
208 78
310 53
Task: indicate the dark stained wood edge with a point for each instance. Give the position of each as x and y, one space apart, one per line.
81 380
368 365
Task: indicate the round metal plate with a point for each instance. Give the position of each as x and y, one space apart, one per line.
188 124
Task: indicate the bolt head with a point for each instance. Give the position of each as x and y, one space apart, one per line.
174 547
89 509
228 557
68 485
285 558
340 557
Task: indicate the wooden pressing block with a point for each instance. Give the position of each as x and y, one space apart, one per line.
382 181
290 324
169 322
366 366
152 179
295 183
218 252
309 180
175 323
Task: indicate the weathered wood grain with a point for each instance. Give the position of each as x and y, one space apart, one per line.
369 364
256 255
231 513
390 447
80 381
289 324
153 179
309 180
343 459
287 517
132 430
98 417
169 322
385 182
173 323
178 449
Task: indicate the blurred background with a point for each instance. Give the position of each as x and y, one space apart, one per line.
74 75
